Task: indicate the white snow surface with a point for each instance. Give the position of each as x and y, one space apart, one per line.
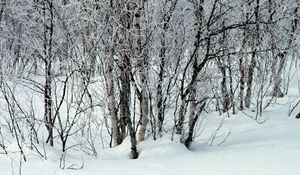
270 148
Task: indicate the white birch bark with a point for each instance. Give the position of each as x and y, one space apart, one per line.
141 72
110 81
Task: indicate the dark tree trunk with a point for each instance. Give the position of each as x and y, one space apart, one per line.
198 11
190 137
126 68
251 68
48 38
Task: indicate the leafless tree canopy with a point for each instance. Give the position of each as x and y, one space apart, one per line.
91 73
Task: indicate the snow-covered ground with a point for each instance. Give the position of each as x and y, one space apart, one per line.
270 148
235 145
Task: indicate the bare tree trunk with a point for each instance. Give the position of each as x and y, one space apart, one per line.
295 21
125 92
110 80
160 109
252 65
141 72
242 59
181 114
125 68
192 125
134 152
162 55
48 37
277 60
198 11
192 104
90 53
250 80
277 79
242 81
224 89
231 85
222 67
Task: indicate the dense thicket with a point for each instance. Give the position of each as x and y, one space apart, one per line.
139 68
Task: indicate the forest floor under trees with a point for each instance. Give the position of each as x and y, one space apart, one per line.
235 145
269 148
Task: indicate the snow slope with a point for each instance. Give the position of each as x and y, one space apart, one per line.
270 148
250 148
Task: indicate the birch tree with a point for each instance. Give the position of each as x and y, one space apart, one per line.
48 13
110 77
251 66
166 17
125 78
142 87
197 67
